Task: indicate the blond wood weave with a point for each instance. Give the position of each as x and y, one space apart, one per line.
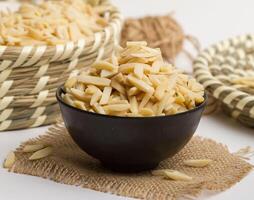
220 66
29 75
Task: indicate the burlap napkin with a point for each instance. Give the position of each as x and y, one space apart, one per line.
69 165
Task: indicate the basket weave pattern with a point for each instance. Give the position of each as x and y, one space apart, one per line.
223 62
29 75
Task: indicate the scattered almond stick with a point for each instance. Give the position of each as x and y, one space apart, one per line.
105 95
197 163
32 148
146 112
9 161
245 153
41 153
70 82
172 174
94 80
104 65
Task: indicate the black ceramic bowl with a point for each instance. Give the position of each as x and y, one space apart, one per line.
129 144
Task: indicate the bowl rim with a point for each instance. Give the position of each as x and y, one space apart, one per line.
60 90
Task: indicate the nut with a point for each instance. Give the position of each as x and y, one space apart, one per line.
197 163
172 174
43 153
9 161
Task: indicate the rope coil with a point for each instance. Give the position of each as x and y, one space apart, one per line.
223 69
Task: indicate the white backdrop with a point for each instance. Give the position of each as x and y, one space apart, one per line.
210 21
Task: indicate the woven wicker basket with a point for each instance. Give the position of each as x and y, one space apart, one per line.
29 75
216 68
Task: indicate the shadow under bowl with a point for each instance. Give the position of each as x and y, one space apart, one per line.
129 144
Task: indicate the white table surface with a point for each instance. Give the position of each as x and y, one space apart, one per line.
210 21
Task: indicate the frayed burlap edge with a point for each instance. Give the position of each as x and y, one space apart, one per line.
69 165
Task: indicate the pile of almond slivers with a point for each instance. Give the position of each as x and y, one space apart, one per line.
134 83
50 23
